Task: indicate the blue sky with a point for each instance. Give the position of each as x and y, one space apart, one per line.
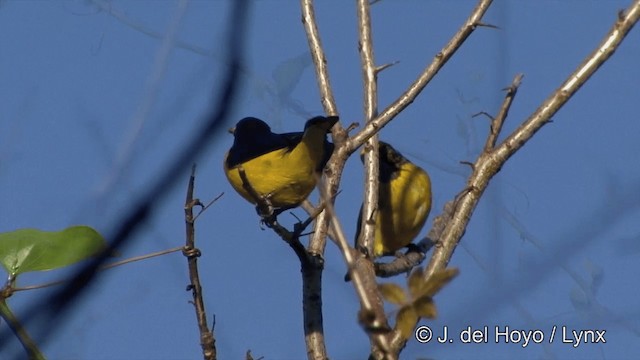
75 78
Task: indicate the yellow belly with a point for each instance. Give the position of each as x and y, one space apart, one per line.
285 178
405 203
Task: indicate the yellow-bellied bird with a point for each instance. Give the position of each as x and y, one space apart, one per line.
282 168
404 202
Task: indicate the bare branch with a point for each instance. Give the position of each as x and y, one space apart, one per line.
488 164
207 338
319 59
572 84
428 73
312 275
205 207
371 317
371 161
498 121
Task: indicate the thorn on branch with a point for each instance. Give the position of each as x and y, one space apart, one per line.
380 68
491 26
352 126
483 113
621 15
498 121
469 163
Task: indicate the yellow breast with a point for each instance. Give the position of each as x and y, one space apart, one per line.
286 178
404 205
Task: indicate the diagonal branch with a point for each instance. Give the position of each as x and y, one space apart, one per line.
489 163
498 121
319 59
425 77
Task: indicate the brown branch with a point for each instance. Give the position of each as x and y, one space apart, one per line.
498 121
319 59
207 338
425 77
312 275
403 263
364 281
362 271
489 163
369 79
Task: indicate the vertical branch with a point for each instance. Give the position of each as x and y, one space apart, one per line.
371 300
312 272
369 77
207 339
318 240
319 59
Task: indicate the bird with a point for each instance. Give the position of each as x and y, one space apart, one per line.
281 168
404 202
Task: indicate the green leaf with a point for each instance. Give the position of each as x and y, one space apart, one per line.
27 250
406 321
392 293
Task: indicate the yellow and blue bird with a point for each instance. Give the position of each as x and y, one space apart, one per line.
281 168
404 202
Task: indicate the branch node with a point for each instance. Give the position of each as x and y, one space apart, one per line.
190 252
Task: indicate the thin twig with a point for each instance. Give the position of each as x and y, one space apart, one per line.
425 77
319 59
204 208
105 267
498 121
207 337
